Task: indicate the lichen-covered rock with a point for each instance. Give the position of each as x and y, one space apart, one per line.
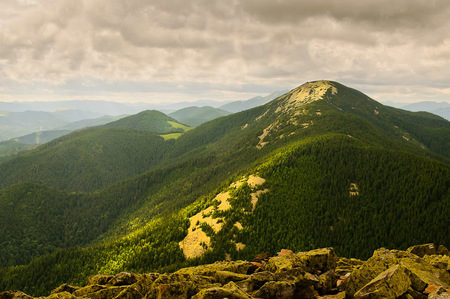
276 289
381 260
421 250
230 290
65 288
255 281
340 295
391 283
327 282
318 260
100 279
109 292
283 264
422 274
439 293
14 295
123 278
442 250
210 270
61 295
345 265
144 283
89 289
182 289
224 277
438 261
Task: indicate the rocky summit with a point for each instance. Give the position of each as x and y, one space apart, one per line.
422 271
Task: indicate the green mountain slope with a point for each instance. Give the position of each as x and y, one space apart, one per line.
149 120
86 160
195 116
89 159
322 165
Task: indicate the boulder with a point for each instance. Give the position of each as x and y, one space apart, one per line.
61 295
182 289
89 289
255 281
391 283
423 274
14 295
421 250
327 282
224 277
230 290
109 292
438 261
144 283
276 289
123 278
345 265
381 260
340 295
64 288
210 270
100 279
439 293
442 250
285 252
318 260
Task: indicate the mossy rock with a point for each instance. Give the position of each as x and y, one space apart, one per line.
14 295
391 283
439 293
89 289
421 250
65 288
224 277
123 278
276 289
346 265
422 274
61 295
230 290
210 269
381 260
181 289
99 279
438 261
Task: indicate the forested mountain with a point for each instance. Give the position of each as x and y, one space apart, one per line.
323 165
194 116
149 120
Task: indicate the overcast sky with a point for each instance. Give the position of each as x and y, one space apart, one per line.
178 50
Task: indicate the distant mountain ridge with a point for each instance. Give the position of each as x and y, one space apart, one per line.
322 165
195 116
238 106
442 109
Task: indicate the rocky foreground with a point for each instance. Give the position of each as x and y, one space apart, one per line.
422 271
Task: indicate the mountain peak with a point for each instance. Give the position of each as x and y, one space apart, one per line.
310 92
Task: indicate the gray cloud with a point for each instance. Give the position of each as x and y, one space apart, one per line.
236 43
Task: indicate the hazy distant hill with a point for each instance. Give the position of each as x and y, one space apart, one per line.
323 165
251 103
442 109
194 116
15 124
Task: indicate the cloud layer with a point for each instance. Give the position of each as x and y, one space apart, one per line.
394 50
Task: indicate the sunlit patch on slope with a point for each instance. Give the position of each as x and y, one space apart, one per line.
197 242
